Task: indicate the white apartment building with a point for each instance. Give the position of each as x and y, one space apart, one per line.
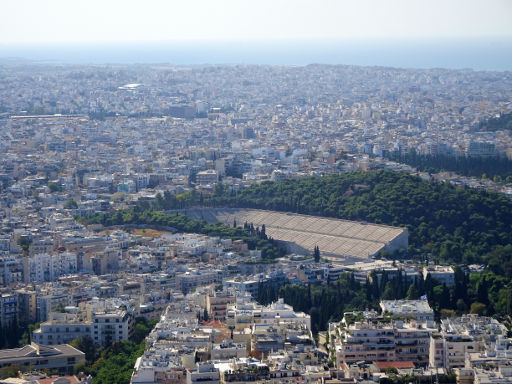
204 373
383 340
463 336
366 341
161 364
412 342
48 303
109 327
242 286
43 267
8 309
11 270
243 314
190 280
104 327
209 176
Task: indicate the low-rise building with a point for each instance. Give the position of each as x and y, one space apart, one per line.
444 275
418 309
103 326
228 350
61 357
204 373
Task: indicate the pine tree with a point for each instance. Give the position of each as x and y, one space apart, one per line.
316 254
412 292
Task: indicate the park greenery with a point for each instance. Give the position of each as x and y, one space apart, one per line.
496 168
501 123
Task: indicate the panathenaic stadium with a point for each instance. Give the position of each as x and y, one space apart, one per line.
340 240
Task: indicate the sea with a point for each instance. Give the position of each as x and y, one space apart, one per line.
479 54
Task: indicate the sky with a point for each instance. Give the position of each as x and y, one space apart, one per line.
86 21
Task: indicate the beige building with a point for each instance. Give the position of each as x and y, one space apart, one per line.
217 304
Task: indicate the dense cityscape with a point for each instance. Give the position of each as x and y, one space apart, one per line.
157 224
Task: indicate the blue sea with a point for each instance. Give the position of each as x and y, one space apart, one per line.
492 54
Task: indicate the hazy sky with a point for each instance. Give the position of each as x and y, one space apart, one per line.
28 21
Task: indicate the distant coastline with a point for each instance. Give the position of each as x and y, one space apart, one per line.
491 54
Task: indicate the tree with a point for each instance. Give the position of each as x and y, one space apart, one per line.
461 306
478 308
391 371
446 313
11 370
24 242
26 337
54 187
316 254
388 294
87 346
71 204
412 292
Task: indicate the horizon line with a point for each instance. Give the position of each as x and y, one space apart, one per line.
262 40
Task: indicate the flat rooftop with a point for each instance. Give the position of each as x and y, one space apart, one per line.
405 307
336 238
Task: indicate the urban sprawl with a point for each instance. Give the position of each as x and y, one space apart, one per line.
80 140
